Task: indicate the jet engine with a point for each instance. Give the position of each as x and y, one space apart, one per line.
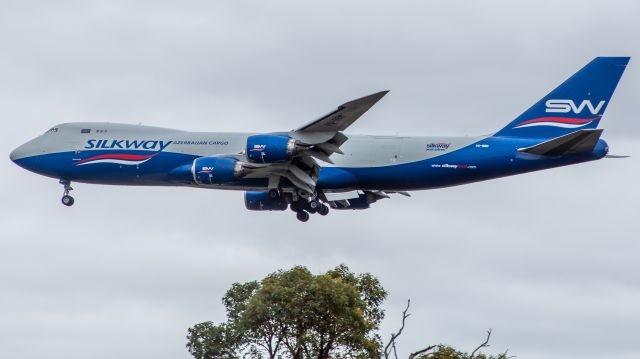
210 171
261 201
217 170
272 148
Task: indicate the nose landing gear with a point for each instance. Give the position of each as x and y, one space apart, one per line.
66 199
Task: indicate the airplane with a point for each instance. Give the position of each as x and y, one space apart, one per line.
318 166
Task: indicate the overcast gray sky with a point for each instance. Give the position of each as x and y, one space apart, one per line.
549 260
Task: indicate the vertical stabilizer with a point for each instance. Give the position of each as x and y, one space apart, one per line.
578 103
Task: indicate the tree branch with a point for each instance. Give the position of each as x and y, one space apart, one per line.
413 355
483 345
394 336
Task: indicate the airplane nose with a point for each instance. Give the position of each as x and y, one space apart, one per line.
26 156
17 154
14 155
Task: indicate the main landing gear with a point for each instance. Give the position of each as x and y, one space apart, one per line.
66 199
302 216
304 206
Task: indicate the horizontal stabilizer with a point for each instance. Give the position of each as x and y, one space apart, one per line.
581 141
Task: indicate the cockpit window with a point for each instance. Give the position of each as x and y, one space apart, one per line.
52 130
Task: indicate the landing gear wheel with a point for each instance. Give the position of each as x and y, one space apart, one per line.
274 193
296 206
67 200
300 205
302 216
313 206
323 210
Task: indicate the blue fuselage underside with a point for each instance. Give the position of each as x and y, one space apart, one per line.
498 157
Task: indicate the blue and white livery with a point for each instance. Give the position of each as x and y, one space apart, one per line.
318 166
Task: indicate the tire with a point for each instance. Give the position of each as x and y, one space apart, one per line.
302 216
323 210
313 206
67 200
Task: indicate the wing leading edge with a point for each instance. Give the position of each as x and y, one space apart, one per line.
344 116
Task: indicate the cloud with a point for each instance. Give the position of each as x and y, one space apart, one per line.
545 259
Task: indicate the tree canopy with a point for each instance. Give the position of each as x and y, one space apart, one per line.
294 314
447 352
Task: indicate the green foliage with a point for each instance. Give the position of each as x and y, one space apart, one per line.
296 314
447 352
209 341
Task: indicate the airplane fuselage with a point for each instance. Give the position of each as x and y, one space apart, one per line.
319 165
122 154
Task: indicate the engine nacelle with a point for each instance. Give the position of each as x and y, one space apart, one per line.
271 148
210 171
260 201
216 170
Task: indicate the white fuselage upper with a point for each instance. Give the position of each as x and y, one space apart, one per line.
359 150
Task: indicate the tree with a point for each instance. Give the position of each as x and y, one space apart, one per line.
441 351
447 352
295 314
208 341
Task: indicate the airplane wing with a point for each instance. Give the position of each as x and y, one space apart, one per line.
325 133
317 140
343 116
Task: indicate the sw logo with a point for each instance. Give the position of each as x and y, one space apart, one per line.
206 169
566 106
259 148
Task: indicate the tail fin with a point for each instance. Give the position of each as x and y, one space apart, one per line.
578 103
